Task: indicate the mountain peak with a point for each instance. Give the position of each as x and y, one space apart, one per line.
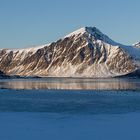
94 33
81 31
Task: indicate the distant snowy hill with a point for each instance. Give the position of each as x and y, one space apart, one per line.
86 52
137 45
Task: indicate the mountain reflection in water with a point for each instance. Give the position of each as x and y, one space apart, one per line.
72 83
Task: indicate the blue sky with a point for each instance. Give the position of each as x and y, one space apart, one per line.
25 23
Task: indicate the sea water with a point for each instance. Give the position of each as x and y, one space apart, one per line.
70 109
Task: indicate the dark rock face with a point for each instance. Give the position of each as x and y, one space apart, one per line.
83 55
3 75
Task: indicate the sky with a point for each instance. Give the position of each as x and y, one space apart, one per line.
25 23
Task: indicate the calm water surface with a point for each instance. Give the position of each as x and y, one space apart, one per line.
72 83
86 109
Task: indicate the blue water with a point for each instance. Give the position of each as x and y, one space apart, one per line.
69 101
67 109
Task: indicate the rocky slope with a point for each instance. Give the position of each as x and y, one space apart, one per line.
3 75
84 53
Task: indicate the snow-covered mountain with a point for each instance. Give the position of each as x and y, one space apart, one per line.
86 52
137 45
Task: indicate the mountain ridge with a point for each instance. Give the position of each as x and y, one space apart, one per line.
86 52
